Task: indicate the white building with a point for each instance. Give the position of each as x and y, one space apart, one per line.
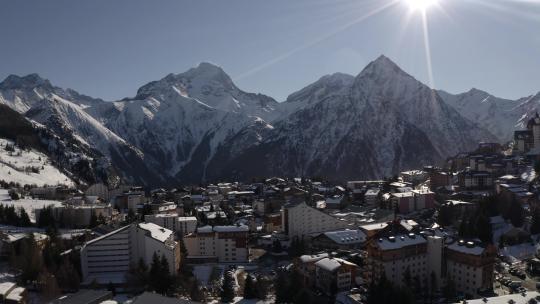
108 258
335 272
413 176
395 255
467 264
372 197
78 213
218 244
301 220
178 224
470 266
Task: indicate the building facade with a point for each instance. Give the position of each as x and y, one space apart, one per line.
108 258
223 244
470 266
300 220
178 224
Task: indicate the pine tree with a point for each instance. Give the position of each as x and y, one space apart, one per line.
463 230
165 275
261 287
535 222
249 288
67 277
227 287
184 270
281 286
484 229
516 214
111 288
155 268
29 261
24 219
48 285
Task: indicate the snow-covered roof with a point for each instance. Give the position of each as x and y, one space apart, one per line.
328 264
241 228
516 298
467 247
16 295
331 264
402 194
5 287
186 218
400 241
106 235
408 224
372 192
458 202
346 236
232 228
312 258
375 226
156 232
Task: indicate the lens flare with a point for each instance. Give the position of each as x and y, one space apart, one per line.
420 5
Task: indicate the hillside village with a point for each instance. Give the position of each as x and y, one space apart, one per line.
467 230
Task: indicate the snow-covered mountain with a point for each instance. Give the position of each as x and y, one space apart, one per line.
28 167
198 125
71 158
495 114
372 125
211 86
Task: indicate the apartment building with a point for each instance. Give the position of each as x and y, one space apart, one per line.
301 220
393 256
371 197
334 274
108 258
306 267
181 225
342 239
470 266
431 259
221 244
78 214
413 200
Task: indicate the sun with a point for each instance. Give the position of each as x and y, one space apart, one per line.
420 5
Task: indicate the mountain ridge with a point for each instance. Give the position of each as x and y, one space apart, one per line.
198 125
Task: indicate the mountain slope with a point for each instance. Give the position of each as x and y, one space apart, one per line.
77 162
374 125
500 116
28 167
199 126
210 85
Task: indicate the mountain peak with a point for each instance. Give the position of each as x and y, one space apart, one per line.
475 91
384 65
206 69
29 81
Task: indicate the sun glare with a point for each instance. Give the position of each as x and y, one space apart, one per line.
420 5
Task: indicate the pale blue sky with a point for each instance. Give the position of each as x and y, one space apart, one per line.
108 49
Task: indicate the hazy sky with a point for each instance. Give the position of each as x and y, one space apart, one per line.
108 49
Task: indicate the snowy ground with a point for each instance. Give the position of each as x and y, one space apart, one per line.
28 204
520 252
13 165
